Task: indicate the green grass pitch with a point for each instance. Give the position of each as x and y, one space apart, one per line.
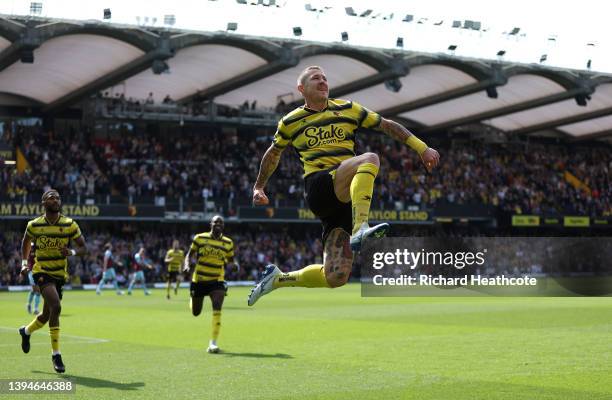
320 344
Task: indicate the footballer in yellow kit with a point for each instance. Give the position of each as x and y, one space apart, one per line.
212 251
51 234
175 257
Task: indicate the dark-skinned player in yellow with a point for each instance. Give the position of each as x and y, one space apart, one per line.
212 252
51 233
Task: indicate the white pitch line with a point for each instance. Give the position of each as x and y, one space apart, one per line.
84 339
46 343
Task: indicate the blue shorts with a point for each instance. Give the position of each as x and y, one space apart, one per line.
139 276
109 275
31 278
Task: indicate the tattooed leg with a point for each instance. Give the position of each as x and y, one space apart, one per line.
337 258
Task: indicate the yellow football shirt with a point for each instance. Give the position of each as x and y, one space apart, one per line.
323 139
49 239
212 256
176 259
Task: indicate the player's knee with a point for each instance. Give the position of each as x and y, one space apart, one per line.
196 310
55 308
371 158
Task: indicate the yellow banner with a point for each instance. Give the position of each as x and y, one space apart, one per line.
304 213
525 220
9 209
577 221
379 215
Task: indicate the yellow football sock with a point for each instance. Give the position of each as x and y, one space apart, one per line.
362 187
312 276
34 326
216 324
54 332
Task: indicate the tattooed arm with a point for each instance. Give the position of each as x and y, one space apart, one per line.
394 130
269 162
429 156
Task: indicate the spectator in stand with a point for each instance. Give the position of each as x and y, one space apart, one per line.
150 100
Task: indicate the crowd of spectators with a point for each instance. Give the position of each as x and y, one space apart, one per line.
518 178
212 165
117 105
66 163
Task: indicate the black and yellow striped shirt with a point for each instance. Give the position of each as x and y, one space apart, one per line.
49 239
324 139
176 259
212 254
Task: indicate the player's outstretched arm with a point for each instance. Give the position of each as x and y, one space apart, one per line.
269 162
429 156
26 246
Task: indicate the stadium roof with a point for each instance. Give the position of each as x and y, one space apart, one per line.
429 92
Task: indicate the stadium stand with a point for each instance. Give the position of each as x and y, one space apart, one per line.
521 177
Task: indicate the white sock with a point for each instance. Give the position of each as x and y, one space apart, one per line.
55 352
